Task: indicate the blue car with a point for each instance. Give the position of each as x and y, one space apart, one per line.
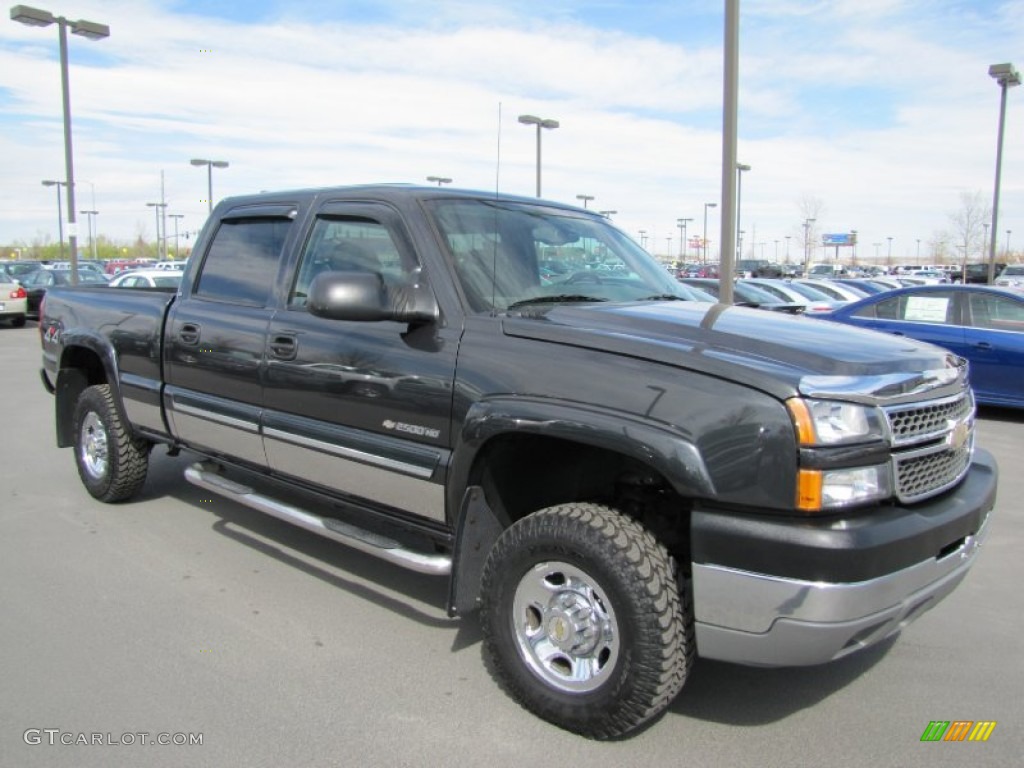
977 322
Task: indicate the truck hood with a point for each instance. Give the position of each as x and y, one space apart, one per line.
777 353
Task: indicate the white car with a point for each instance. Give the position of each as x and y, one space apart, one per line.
148 278
13 303
812 299
837 291
1012 276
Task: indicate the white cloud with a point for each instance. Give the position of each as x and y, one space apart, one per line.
869 106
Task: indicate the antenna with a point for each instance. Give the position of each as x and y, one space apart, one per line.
497 195
497 170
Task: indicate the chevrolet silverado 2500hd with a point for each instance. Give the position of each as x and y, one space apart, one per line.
510 393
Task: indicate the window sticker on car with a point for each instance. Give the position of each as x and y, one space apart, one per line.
926 309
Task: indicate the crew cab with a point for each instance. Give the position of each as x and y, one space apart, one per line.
617 480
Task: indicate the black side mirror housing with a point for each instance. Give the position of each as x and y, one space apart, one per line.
364 297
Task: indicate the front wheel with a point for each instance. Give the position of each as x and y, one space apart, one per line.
585 621
112 463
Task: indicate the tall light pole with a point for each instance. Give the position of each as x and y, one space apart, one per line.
788 237
607 214
681 223
439 179
740 168
704 243
585 198
210 165
92 236
157 208
90 30
540 123
1007 77
60 213
807 241
176 216
1008 233
888 257
643 238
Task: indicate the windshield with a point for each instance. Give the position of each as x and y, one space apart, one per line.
507 254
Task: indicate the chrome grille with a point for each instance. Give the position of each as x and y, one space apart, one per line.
923 476
932 445
915 423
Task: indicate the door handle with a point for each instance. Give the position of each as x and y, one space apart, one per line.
284 347
189 333
984 345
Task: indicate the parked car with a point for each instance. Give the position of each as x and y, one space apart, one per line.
869 286
927 276
148 278
36 283
13 302
83 266
983 324
16 270
758 268
1011 276
976 273
747 295
838 291
812 299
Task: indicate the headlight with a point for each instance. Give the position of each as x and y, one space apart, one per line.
830 422
823 489
825 424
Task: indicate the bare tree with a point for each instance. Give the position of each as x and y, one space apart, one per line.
812 209
968 226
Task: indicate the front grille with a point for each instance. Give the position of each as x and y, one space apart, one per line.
933 443
911 424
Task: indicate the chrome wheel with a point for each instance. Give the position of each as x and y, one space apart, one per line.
94 446
564 627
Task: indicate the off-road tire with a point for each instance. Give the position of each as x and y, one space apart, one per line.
586 620
111 462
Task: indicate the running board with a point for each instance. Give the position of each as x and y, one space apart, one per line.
205 475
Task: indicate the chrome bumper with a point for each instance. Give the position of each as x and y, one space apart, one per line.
760 620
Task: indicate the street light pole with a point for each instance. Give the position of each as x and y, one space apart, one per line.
585 198
176 216
540 123
90 30
439 179
60 213
92 236
210 165
157 208
682 236
740 168
1007 77
807 242
704 243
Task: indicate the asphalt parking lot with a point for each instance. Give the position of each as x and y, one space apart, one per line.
181 615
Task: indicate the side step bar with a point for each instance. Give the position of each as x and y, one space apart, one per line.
205 475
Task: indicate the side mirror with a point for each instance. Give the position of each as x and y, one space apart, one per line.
364 297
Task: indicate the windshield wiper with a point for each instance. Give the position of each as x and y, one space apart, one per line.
565 297
664 297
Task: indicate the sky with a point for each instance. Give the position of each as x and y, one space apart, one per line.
869 115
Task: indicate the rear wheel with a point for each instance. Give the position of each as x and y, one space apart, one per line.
585 620
111 462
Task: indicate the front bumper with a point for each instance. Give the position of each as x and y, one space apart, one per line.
753 617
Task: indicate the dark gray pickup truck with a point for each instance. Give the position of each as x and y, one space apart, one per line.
510 393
